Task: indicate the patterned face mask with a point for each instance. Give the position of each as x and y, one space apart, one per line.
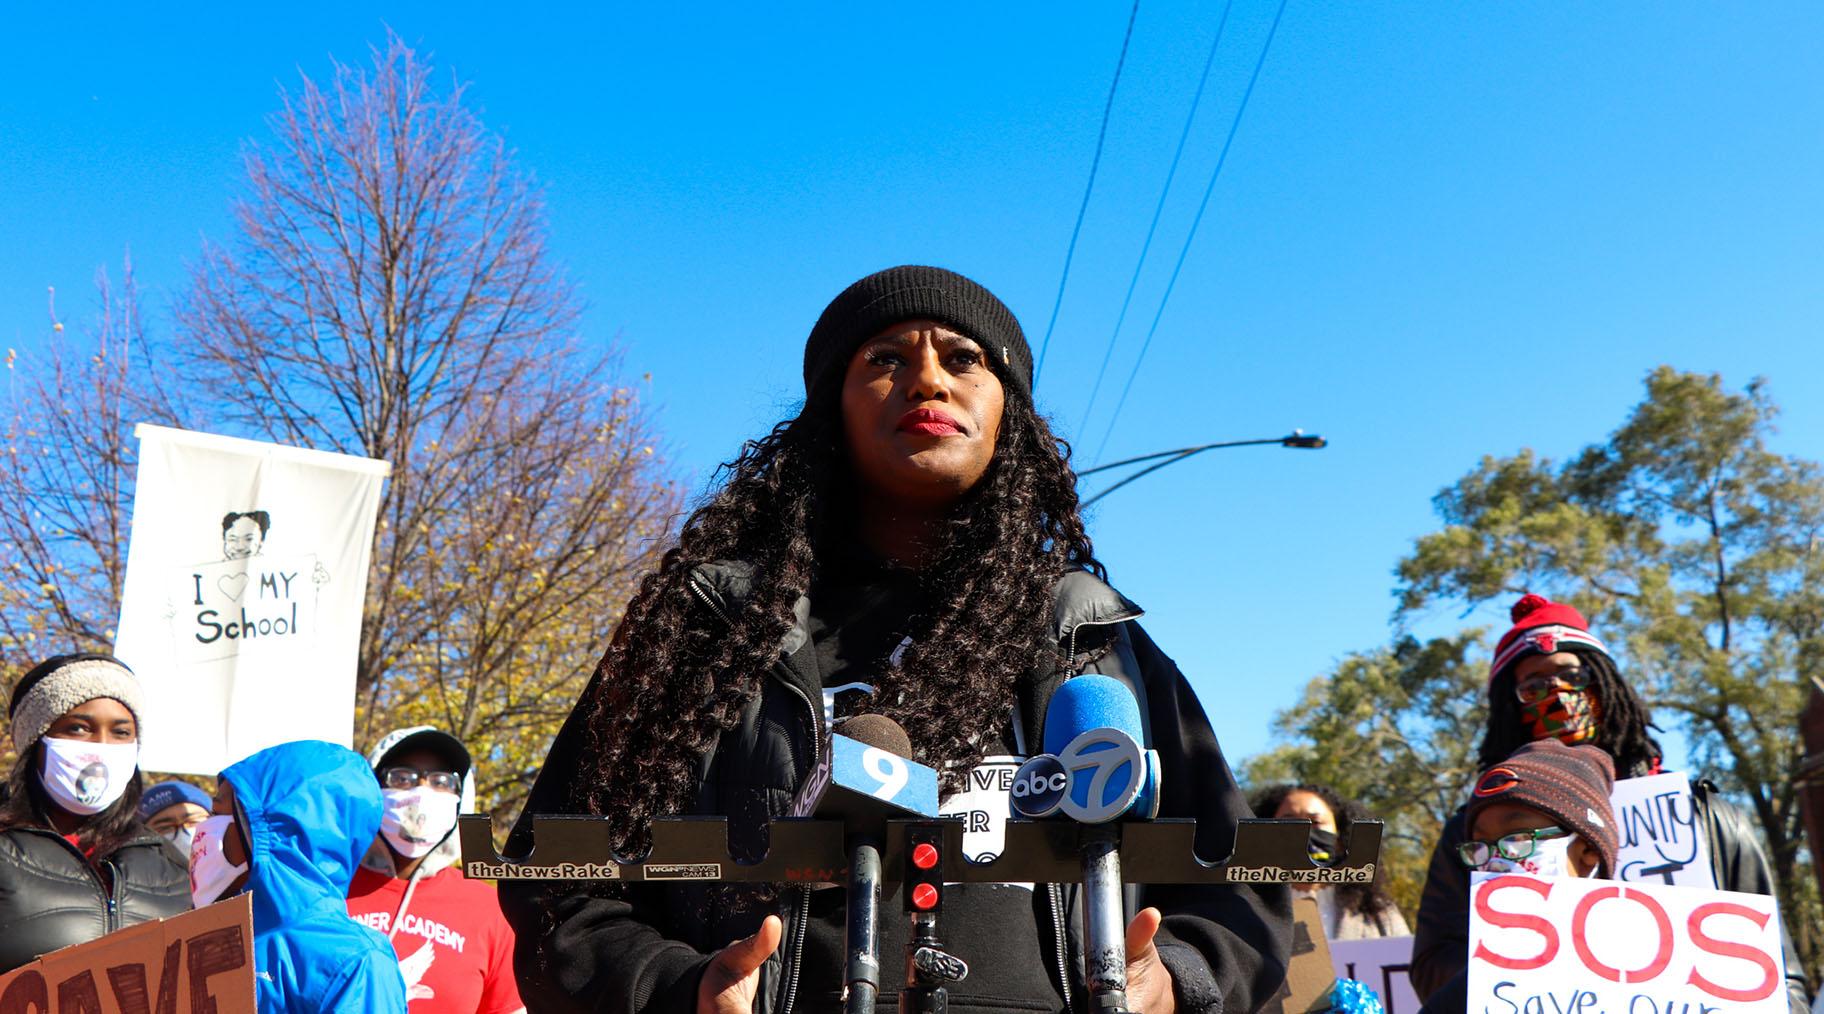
1569 716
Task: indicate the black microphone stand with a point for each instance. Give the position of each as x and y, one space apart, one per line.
861 975
929 970
1104 929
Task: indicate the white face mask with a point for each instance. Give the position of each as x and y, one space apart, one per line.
1551 858
86 778
416 821
210 870
182 837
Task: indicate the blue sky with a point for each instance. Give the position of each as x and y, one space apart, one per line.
1443 231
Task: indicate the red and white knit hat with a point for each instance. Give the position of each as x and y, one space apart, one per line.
1543 626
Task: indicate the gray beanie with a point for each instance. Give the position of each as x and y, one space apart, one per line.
58 684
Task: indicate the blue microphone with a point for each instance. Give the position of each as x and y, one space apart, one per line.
1095 769
865 777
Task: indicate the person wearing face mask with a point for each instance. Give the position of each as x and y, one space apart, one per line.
455 948
1349 911
1544 812
289 826
173 809
75 860
1552 679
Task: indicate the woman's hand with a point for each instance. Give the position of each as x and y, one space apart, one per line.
732 979
1149 982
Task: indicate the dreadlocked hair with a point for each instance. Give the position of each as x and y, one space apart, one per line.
1625 718
671 682
1370 899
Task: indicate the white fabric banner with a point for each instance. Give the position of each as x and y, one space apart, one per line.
241 608
1660 840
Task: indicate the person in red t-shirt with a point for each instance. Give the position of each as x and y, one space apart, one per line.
455 949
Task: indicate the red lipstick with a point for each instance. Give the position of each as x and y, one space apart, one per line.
928 422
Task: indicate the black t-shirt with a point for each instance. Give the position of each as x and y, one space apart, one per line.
862 611
862 614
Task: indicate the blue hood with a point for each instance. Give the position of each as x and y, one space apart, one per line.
311 811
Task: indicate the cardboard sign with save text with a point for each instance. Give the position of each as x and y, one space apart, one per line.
196 962
1582 946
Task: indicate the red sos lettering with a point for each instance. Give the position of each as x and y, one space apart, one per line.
1665 944
1662 956
1770 976
1516 920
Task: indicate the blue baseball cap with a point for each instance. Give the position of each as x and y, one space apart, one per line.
165 794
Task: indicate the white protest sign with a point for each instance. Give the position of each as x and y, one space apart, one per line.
1660 840
241 608
1381 964
1566 944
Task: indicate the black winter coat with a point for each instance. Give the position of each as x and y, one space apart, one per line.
51 897
1440 946
644 950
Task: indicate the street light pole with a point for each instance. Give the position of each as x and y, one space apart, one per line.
1297 438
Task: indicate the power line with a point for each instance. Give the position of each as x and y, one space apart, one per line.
1172 173
1101 136
1215 175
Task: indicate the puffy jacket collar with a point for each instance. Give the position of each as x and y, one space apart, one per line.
1080 599
311 811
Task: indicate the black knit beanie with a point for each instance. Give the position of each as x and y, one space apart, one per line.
1571 784
913 292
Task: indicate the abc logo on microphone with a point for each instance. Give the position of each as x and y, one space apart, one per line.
1038 787
1098 777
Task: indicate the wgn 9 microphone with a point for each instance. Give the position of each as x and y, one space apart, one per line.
865 778
1095 770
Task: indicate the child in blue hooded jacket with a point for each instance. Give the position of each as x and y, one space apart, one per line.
290 824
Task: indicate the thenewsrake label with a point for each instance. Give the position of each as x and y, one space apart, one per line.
1275 875
480 870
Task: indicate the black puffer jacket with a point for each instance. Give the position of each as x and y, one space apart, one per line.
51 897
644 950
1440 946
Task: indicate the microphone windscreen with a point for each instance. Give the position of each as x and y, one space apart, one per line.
878 731
1090 701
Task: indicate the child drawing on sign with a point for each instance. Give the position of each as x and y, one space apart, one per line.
257 593
244 534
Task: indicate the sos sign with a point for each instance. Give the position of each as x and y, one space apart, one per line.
1565 943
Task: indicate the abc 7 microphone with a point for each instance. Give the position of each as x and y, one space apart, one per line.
1095 771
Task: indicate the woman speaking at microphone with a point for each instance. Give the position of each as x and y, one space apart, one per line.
908 545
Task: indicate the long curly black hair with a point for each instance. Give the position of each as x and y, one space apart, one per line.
672 679
1370 899
1623 731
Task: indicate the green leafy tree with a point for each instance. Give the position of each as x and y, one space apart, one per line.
1397 730
1694 550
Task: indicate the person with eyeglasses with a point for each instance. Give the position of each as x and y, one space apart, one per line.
1544 811
172 810
1553 680
455 948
